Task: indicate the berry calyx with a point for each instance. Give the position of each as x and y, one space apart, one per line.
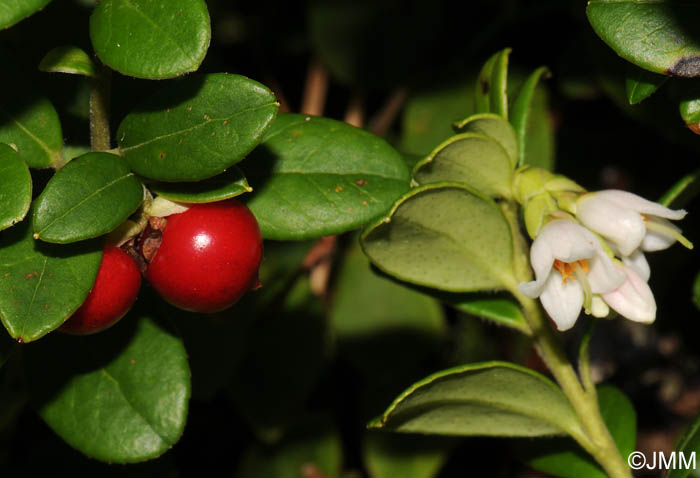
115 290
208 256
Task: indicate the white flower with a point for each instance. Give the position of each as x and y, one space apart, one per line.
633 299
630 222
570 266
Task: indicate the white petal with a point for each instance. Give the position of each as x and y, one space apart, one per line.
598 307
628 200
603 275
562 302
638 262
567 240
625 227
657 240
633 299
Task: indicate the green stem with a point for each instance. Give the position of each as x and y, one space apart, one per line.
99 110
597 440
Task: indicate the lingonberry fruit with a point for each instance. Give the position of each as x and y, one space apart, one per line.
208 256
115 290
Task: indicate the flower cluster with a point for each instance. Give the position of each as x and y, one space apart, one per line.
595 258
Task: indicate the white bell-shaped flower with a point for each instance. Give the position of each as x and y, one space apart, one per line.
629 221
633 299
571 267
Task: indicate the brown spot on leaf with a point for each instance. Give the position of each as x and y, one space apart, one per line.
47 306
360 182
189 108
485 86
364 203
338 189
28 275
162 155
695 128
132 361
225 122
688 67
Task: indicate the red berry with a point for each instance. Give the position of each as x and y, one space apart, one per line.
115 290
208 257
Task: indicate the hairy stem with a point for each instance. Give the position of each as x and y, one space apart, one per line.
99 110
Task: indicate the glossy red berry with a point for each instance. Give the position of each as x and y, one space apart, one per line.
115 290
208 257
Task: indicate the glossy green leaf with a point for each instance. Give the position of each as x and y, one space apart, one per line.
230 184
392 455
118 396
488 399
641 84
15 187
315 177
470 158
68 59
682 191
495 127
689 107
43 283
89 197
444 236
503 311
149 39
565 458
32 127
12 11
311 449
490 93
688 443
522 117
196 128
655 35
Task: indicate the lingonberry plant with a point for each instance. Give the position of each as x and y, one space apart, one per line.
357 341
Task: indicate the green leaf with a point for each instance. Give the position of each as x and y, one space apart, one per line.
149 39
15 187
490 92
230 184
311 449
688 443
31 126
118 396
315 177
641 84
689 106
68 59
470 158
682 191
444 236
565 458
196 128
488 399
495 127
13 11
390 455
503 311
657 36
89 197
43 283
523 119
696 291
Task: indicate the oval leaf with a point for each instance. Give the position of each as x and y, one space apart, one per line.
68 59
15 187
13 11
503 311
641 84
230 184
89 197
495 127
314 177
488 399
443 236
43 284
521 118
153 40
565 458
470 158
197 128
392 455
32 127
490 93
652 35
119 396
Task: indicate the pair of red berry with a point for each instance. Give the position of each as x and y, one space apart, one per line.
207 259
